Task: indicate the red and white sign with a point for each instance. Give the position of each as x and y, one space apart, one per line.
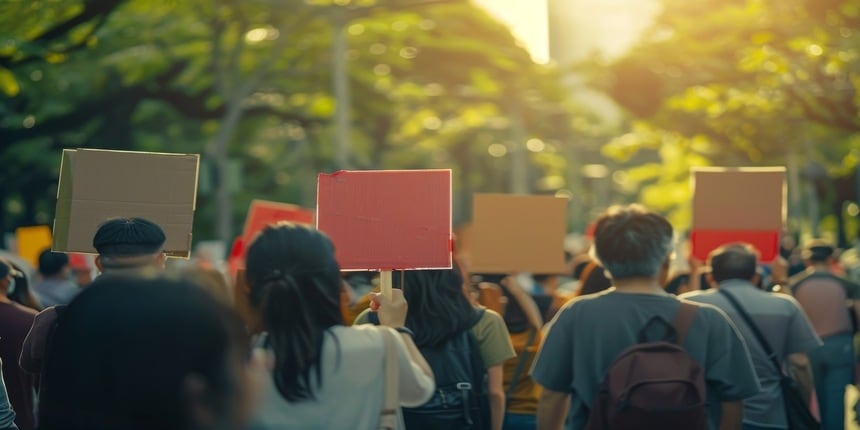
738 205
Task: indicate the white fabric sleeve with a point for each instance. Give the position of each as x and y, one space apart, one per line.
415 387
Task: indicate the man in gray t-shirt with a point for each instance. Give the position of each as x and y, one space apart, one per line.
777 316
587 335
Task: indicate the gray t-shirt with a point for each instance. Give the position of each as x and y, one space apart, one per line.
787 330
588 334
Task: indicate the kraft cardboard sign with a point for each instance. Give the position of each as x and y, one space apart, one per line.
263 213
517 233
738 205
387 219
96 185
32 241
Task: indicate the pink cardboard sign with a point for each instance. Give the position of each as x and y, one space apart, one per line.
387 219
263 213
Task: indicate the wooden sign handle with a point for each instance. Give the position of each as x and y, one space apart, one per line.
385 283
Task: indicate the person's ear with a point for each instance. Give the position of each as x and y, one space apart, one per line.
709 278
98 262
161 260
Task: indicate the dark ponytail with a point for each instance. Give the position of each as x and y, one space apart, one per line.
295 285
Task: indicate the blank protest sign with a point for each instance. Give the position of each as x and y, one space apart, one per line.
96 185
738 205
263 212
517 233
387 219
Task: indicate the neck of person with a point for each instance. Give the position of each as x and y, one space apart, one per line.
4 298
819 266
639 285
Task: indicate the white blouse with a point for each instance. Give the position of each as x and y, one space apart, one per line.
351 393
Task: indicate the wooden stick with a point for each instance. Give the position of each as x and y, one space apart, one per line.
385 283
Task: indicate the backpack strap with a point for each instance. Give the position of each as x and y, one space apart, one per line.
586 272
683 320
762 340
388 415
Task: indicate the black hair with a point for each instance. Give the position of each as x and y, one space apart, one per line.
121 353
128 237
438 306
52 263
674 284
295 285
630 241
818 251
22 294
5 268
733 261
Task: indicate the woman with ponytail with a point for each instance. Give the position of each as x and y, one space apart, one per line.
325 375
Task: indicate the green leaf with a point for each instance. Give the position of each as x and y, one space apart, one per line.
8 83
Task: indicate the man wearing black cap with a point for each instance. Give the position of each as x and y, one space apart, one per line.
829 302
127 247
15 322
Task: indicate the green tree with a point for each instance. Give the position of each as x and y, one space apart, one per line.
249 86
741 82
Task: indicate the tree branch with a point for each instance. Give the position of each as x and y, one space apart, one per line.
95 10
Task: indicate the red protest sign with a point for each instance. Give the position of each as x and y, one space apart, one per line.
263 213
738 205
387 219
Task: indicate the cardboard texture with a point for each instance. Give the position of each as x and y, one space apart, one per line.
96 185
517 233
32 241
263 213
738 205
387 220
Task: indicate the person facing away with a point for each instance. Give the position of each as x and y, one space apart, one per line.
7 414
147 353
127 247
440 312
325 375
777 316
523 318
15 322
54 286
20 291
830 302
586 336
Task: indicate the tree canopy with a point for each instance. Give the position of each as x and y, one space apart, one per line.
742 82
249 85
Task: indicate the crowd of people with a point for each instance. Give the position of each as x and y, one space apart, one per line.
624 340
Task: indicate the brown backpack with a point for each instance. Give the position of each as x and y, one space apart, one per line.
653 384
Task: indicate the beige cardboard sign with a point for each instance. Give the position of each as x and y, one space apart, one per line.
96 185
517 233
750 198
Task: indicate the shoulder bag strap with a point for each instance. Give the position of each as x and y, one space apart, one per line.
388 415
521 364
758 335
683 320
